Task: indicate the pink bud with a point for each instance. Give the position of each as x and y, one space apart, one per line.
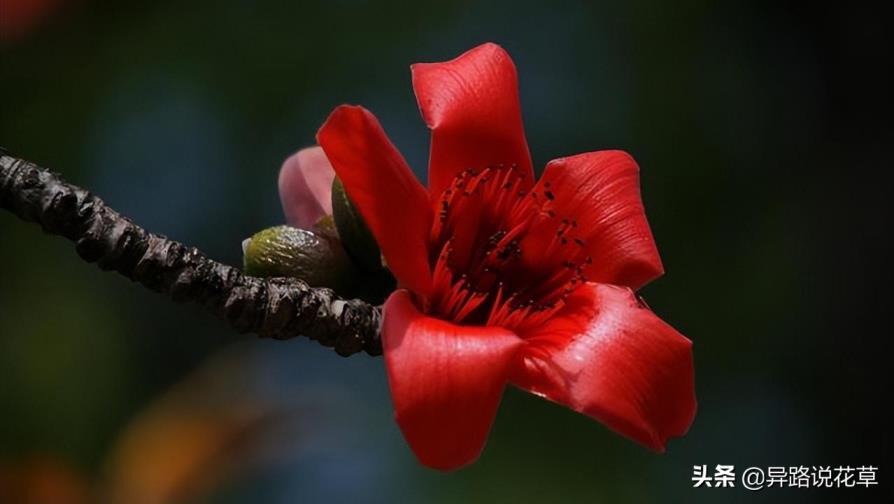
305 187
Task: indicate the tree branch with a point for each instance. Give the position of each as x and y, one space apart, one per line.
280 308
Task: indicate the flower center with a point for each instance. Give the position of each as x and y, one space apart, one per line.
502 254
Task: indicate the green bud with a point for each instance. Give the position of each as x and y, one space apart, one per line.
326 227
356 237
284 251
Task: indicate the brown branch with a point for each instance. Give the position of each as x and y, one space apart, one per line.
280 308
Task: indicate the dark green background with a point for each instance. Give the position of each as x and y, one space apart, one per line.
763 132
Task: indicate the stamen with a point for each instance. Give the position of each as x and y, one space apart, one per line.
502 252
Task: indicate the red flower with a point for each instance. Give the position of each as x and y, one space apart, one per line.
505 280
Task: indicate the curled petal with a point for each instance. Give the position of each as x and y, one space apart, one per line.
305 187
609 357
471 105
380 184
599 191
446 381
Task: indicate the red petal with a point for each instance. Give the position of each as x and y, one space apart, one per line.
305 187
379 182
600 190
607 356
471 105
446 381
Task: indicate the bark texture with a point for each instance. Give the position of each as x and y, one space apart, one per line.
280 308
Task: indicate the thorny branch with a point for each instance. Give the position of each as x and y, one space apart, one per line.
280 308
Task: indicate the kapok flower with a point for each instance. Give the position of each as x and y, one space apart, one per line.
506 280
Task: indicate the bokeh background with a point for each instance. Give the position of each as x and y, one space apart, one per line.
763 131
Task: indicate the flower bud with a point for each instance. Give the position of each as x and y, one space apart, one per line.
284 251
356 237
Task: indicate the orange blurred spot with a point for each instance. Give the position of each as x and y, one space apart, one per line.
41 480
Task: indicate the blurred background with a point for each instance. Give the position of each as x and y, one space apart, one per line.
763 132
